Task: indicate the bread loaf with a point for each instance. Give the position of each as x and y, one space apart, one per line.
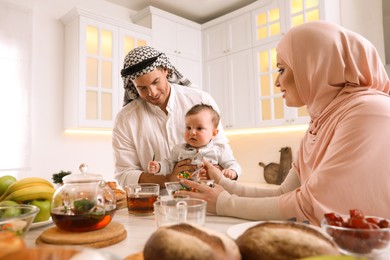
284 240
183 241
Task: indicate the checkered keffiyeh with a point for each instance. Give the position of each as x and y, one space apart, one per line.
142 60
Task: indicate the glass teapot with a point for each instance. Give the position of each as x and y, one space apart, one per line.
83 203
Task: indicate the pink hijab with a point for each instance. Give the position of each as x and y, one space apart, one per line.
341 79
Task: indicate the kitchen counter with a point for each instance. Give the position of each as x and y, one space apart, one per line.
138 231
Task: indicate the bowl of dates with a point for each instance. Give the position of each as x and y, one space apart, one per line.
357 234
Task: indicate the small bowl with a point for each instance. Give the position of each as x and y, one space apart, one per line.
173 186
18 218
370 243
175 211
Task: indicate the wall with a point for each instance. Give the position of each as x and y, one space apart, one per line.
53 151
365 17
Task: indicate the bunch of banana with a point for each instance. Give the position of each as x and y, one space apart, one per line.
28 189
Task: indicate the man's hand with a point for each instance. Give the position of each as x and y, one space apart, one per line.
181 166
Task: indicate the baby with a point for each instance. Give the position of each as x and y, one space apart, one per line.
201 129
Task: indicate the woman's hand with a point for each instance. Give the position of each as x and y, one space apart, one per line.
204 192
212 172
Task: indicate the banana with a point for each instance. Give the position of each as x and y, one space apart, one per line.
31 193
25 183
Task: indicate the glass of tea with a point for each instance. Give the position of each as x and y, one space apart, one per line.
140 198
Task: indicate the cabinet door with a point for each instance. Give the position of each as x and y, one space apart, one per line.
240 82
188 43
98 68
228 37
164 35
128 40
271 107
269 23
229 81
214 43
239 34
216 82
191 69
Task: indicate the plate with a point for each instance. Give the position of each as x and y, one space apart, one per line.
41 224
237 230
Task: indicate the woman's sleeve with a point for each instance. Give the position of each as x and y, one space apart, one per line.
248 208
256 191
254 202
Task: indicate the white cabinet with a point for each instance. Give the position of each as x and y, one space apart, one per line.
95 47
178 38
228 70
270 22
244 89
227 37
230 83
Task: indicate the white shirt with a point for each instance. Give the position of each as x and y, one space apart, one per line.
142 130
212 152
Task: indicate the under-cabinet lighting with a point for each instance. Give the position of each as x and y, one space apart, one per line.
88 132
278 129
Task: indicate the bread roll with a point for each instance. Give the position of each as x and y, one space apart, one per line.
10 243
120 195
284 240
183 241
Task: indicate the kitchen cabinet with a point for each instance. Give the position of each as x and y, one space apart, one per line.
178 38
255 30
270 22
230 83
228 37
95 47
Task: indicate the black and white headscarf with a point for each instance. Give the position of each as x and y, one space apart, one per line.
142 60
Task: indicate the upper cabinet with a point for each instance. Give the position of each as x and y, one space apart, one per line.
95 48
228 70
270 22
228 37
244 89
178 38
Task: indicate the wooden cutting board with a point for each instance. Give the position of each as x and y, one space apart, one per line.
111 234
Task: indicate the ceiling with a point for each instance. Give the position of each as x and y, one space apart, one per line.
199 11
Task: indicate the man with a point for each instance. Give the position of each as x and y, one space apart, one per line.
151 122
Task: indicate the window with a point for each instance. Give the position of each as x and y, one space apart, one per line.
15 65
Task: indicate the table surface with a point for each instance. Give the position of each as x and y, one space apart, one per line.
138 231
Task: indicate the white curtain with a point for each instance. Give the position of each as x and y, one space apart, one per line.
15 87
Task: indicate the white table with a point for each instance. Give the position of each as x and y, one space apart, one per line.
138 231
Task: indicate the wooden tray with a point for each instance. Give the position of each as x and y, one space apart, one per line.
111 234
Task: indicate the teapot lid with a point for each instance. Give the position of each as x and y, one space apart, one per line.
82 176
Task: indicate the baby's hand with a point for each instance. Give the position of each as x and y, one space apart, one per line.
153 167
231 174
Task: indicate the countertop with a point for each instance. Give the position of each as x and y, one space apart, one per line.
138 231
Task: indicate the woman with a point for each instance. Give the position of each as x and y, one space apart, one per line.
343 160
